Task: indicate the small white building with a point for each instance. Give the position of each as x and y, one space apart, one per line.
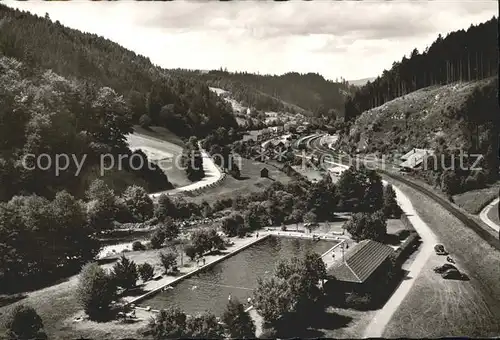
415 157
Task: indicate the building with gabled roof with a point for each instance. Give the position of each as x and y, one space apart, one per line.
414 158
360 262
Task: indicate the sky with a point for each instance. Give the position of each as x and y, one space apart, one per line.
349 39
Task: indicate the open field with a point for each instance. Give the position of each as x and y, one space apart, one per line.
159 148
160 133
250 181
310 174
475 200
54 304
435 307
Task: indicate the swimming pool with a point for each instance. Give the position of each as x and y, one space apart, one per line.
236 276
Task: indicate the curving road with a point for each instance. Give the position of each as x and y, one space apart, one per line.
382 317
484 215
486 235
160 149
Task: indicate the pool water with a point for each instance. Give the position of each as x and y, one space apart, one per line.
236 276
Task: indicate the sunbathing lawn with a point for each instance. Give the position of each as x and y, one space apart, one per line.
58 307
57 304
436 307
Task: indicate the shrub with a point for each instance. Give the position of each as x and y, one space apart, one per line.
205 240
204 326
96 289
391 207
367 226
23 322
164 208
125 273
169 261
145 121
146 271
138 202
238 323
232 224
123 214
157 239
170 230
137 245
190 251
268 333
169 324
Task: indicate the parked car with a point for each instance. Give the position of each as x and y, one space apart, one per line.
439 249
452 274
445 267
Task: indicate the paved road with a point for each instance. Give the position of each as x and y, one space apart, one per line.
484 215
377 325
158 147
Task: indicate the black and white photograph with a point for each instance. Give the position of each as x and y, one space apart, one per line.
202 169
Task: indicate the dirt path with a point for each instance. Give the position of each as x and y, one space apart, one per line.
484 215
376 327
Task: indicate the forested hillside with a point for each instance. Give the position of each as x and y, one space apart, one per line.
184 105
445 99
42 113
460 56
293 92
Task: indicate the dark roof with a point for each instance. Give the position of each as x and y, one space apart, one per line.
361 261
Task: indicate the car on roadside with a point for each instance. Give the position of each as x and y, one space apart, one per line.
445 267
440 250
453 274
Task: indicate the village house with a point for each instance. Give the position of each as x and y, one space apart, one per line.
415 158
361 270
264 173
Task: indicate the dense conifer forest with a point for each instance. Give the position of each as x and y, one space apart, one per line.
460 56
461 70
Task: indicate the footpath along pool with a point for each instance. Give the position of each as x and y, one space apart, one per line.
236 276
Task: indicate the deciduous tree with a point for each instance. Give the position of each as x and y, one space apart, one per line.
169 261
95 291
125 273
238 323
138 203
24 323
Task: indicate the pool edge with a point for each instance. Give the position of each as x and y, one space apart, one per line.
208 265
